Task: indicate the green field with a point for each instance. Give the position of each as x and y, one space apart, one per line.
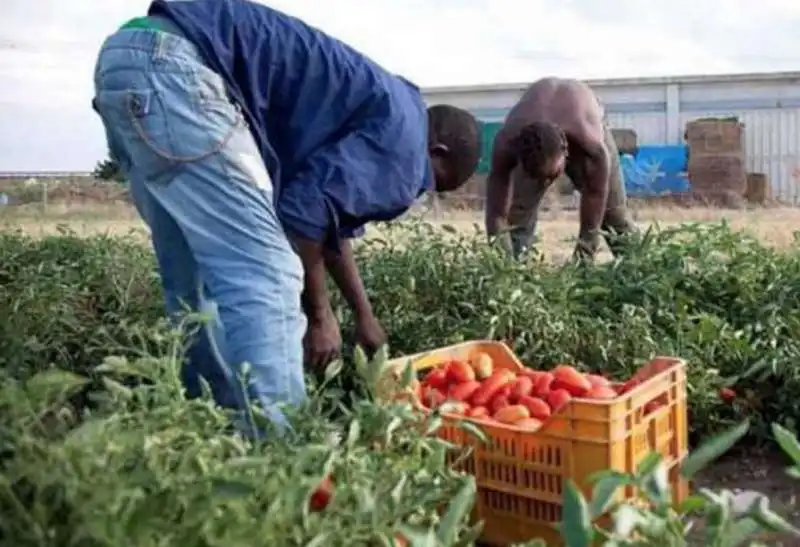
100 449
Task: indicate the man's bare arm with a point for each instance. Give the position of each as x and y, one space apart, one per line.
344 271
594 196
316 303
499 188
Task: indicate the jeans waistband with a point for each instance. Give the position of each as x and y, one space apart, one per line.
169 40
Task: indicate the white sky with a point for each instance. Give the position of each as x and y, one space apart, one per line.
48 49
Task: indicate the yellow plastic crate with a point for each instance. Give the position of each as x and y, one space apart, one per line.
521 475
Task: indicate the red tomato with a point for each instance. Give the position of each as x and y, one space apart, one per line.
652 406
490 387
541 388
520 387
727 394
532 374
628 386
597 380
558 398
568 378
537 408
459 372
478 412
511 414
601 392
436 378
482 365
504 391
462 392
529 424
498 402
321 496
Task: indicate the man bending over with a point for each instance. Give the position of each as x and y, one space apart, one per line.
556 127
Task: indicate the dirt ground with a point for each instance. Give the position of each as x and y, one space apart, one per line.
557 228
760 472
764 473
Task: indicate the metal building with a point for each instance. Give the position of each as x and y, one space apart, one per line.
658 109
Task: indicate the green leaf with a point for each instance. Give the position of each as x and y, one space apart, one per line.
120 390
434 423
788 442
224 490
604 473
448 406
626 520
760 511
333 369
397 492
121 366
656 485
408 375
741 532
418 536
436 458
87 432
394 424
320 540
604 490
649 464
379 361
692 504
474 430
576 526
360 360
713 449
353 433
55 385
457 511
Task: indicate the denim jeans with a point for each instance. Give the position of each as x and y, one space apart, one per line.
198 181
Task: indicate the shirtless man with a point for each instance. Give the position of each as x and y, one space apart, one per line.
556 127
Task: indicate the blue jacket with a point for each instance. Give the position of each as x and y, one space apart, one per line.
345 141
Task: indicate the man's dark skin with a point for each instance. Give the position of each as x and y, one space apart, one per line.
323 339
571 109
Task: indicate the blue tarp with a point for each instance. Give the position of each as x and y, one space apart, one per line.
656 170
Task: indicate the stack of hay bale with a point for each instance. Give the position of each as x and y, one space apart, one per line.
758 189
716 160
626 140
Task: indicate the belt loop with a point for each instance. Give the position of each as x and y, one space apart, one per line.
158 52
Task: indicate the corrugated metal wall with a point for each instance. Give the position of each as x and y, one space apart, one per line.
658 109
650 128
772 146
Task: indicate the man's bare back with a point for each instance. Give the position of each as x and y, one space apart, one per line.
556 127
565 103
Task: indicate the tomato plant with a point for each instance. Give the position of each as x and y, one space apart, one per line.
99 447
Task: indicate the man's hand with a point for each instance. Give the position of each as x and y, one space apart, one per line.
586 248
369 333
323 340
